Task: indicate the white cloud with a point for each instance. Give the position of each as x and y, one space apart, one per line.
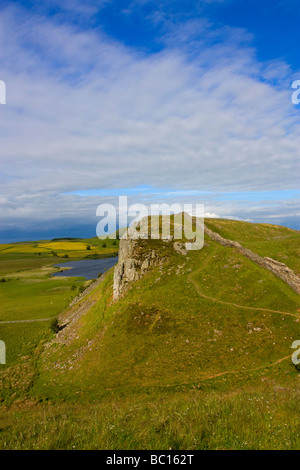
85 112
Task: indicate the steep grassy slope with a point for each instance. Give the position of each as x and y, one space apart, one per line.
27 292
196 355
280 243
190 320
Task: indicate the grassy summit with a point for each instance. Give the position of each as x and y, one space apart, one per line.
197 354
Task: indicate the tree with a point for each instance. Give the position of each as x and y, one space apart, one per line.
54 326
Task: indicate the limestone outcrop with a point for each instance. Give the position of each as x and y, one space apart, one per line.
136 259
134 262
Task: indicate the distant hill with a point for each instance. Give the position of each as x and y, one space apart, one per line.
65 238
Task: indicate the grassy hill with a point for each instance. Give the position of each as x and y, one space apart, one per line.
196 355
277 242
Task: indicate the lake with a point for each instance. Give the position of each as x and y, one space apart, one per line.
88 268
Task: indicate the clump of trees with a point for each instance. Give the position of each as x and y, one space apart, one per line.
81 289
54 326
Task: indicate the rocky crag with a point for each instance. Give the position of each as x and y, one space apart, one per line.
134 262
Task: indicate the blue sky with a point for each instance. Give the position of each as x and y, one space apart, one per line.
273 25
168 99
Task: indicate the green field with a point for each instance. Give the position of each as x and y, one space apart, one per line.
30 299
197 355
59 248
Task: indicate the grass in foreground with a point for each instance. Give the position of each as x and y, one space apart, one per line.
197 355
263 419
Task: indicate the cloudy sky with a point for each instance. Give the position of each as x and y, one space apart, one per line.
166 100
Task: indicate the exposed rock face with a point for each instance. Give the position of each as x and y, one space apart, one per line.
180 248
133 264
279 269
284 272
135 261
